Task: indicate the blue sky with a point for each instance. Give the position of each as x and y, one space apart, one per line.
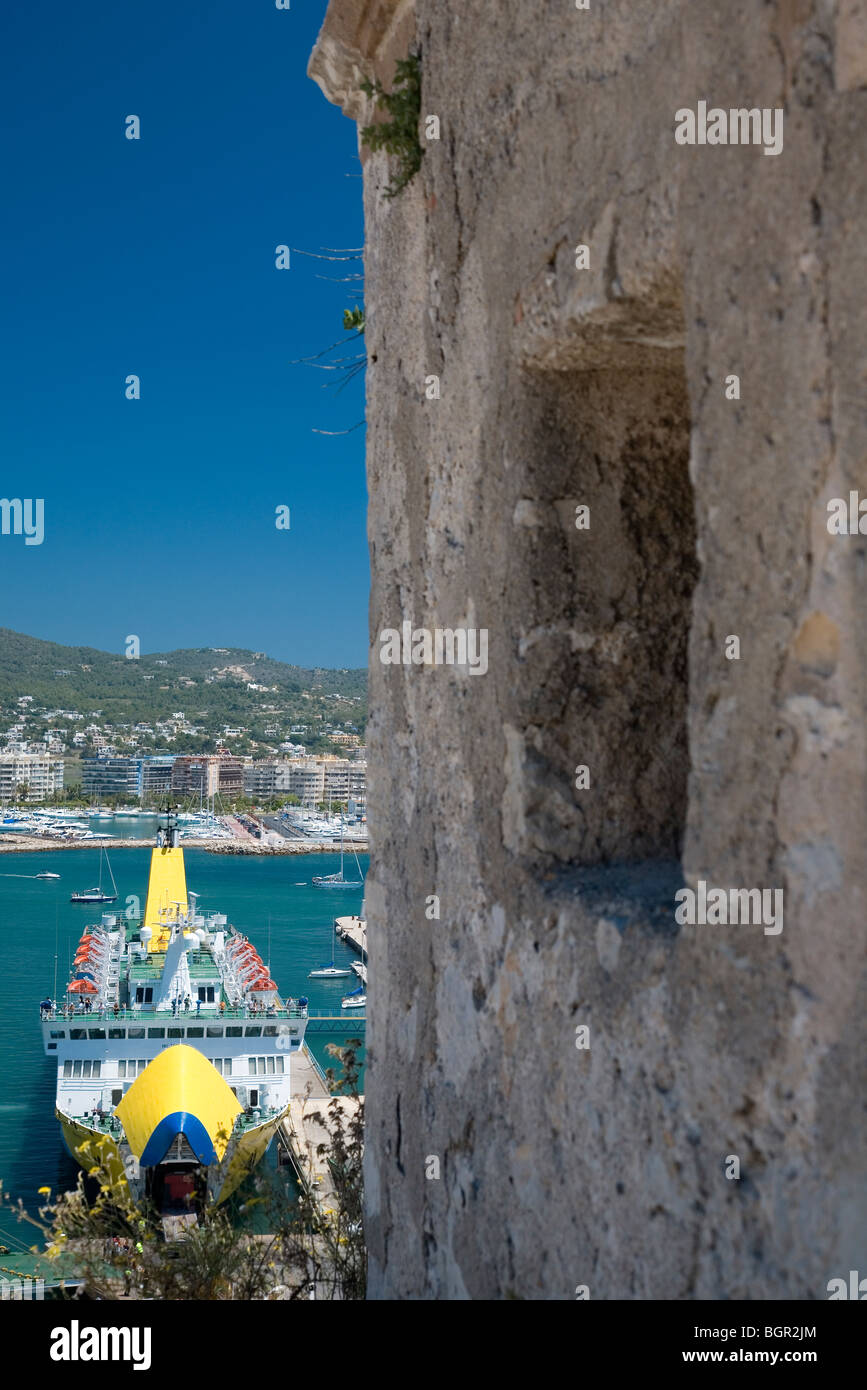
156 257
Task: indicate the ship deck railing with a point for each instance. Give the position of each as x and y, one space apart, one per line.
101 1124
209 1013
108 1125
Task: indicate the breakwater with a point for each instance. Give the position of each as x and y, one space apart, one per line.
17 844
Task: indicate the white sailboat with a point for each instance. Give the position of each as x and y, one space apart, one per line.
339 880
96 895
330 971
356 999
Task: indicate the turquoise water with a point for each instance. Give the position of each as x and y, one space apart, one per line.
125 827
249 888
121 827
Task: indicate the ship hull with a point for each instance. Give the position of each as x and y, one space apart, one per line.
244 1154
90 1149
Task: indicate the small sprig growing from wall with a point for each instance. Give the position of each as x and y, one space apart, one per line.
352 365
398 136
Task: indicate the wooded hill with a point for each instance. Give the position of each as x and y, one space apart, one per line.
210 686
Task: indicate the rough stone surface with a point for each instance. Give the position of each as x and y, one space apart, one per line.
607 387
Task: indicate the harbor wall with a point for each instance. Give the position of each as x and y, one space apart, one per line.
17 844
672 336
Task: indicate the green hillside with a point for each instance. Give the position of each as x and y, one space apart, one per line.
209 686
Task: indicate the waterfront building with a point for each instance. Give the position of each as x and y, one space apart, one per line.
344 780
312 780
307 781
111 776
157 774
195 774
208 774
230 774
41 774
268 777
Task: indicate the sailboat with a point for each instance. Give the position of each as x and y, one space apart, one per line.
330 971
356 999
96 895
338 880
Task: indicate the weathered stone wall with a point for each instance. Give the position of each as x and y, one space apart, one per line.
606 387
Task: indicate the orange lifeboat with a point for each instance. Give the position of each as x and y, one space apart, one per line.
263 985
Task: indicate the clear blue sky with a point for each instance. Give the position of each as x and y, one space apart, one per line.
156 257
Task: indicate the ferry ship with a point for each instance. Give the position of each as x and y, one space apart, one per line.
173 1046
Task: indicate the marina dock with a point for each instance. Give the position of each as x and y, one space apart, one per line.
353 930
301 1133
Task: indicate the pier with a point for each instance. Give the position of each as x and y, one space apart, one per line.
353 930
300 1133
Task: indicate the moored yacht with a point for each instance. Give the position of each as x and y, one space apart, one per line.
98 894
356 999
339 880
329 971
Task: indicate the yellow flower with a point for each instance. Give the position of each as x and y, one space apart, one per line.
45 1191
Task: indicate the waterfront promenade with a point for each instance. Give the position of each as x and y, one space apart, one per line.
18 844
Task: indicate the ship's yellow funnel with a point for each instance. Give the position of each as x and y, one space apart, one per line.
167 887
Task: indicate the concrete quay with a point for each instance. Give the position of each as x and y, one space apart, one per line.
301 1133
353 930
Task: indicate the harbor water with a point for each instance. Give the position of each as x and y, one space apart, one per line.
37 919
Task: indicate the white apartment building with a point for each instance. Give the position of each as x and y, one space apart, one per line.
344 779
312 780
38 772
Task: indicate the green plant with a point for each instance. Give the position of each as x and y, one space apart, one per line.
398 136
